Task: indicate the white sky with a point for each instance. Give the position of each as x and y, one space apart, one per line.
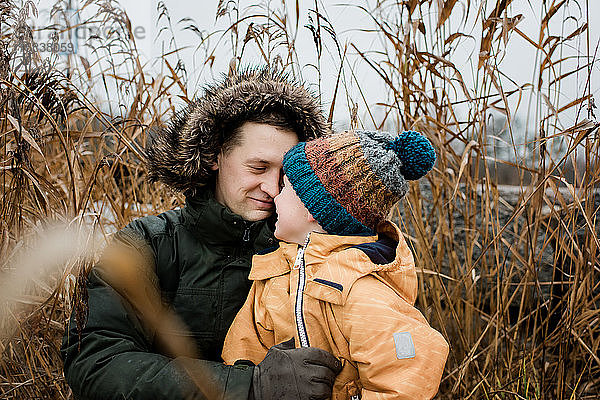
518 62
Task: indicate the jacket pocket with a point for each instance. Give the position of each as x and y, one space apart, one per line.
197 308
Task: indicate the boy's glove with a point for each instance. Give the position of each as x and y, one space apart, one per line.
295 374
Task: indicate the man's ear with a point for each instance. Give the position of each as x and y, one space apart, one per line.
215 165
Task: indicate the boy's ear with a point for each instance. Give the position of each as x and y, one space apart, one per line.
316 226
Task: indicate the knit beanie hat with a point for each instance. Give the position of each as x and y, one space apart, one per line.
350 181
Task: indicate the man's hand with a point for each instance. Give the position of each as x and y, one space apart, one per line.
299 374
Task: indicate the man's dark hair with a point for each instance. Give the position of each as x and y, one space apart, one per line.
182 155
272 118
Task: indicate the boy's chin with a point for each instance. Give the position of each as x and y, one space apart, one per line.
282 237
278 234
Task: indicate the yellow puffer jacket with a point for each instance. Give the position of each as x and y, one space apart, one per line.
357 303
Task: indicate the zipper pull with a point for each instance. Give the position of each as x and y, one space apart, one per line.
246 237
300 255
299 258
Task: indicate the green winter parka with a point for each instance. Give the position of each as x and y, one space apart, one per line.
198 257
202 257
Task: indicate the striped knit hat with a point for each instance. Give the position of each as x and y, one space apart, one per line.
350 181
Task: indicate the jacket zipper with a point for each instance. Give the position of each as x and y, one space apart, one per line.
298 311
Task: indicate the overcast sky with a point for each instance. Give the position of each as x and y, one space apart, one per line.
518 63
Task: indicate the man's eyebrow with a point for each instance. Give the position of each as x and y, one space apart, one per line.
257 161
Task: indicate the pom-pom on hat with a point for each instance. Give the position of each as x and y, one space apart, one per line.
350 181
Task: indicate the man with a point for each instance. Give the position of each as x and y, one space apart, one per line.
225 153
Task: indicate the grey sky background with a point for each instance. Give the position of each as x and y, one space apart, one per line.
517 61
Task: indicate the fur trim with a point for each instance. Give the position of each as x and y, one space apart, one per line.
181 155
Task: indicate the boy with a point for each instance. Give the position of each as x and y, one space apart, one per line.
343 278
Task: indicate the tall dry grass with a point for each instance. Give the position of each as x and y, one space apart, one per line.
509 276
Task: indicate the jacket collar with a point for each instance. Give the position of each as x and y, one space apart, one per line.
331 271
217 224
275 263
332 280
320 247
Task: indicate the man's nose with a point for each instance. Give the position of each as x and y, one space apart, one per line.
270 184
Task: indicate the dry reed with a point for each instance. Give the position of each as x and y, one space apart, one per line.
509 276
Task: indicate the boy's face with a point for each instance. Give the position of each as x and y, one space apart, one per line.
294 221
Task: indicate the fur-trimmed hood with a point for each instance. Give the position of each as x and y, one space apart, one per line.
182 154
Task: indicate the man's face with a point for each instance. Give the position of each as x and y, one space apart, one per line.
248 175
294 221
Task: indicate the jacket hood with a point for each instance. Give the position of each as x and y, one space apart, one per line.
181 155
334 263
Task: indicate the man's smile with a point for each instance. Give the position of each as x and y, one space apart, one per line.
263 203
